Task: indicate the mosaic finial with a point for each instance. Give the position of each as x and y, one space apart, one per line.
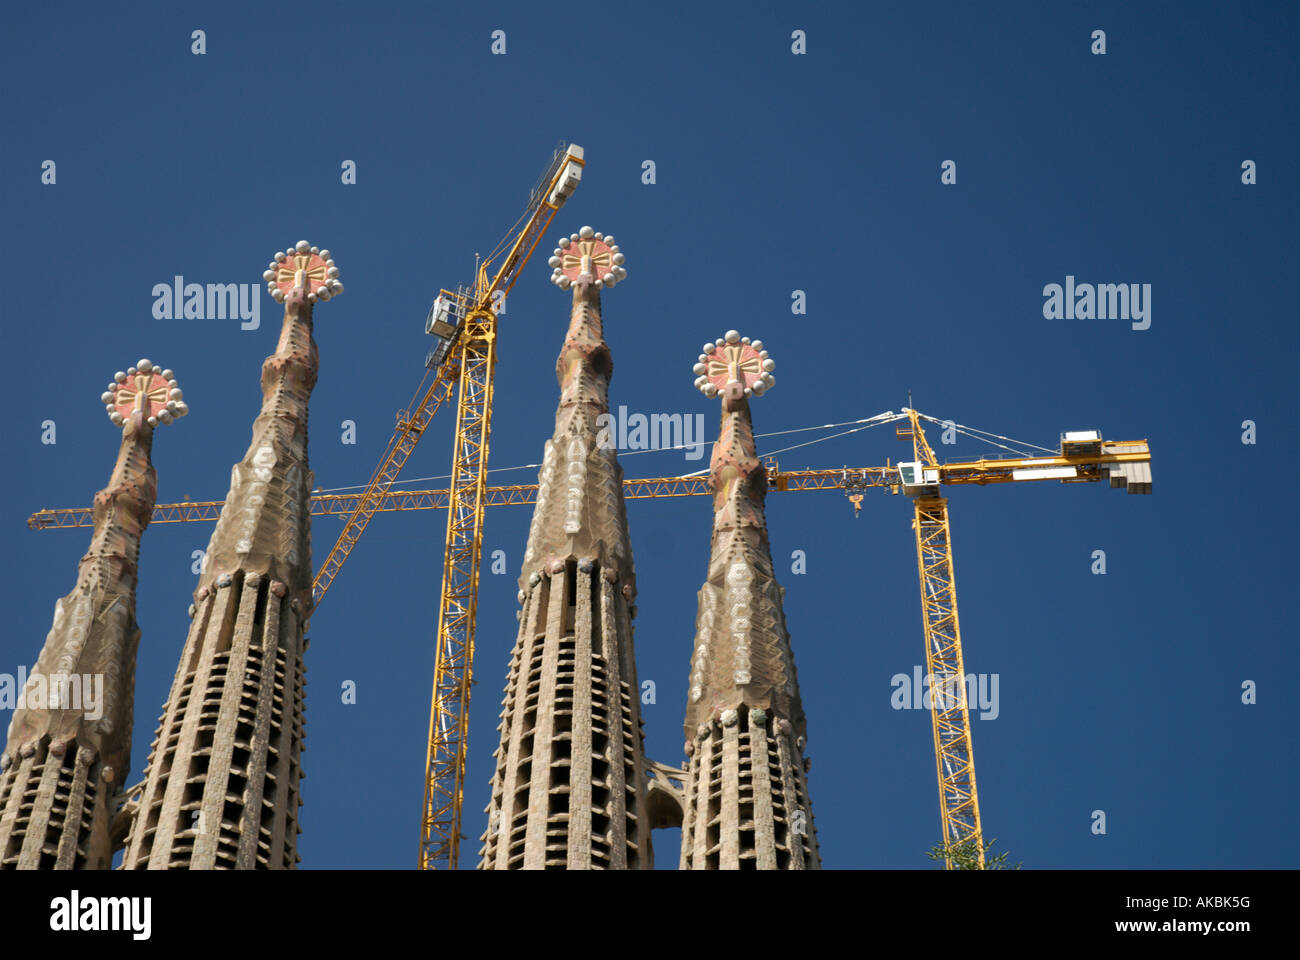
734 366
148 388
586 253
305 266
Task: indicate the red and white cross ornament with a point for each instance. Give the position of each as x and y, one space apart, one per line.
148 388
734 359
302 265
589 253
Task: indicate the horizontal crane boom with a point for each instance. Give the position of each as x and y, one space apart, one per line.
1088 469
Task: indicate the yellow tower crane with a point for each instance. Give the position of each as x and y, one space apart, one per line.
476 357
954 754
1083 457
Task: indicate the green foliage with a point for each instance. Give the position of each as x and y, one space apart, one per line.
964 855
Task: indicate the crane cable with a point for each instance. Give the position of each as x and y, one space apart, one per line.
855 426
962 428
867 422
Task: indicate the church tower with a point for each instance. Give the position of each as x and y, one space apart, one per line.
745 800
221 785
569 788
68 750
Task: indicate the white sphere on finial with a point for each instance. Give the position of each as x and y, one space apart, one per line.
302 246
699 368
324 254
586 233
144 366
710 347
120 376
268 274
106 397
152 421
564 242
279 256
732 336
769 365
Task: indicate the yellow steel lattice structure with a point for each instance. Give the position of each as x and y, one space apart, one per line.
448 740
458 605
410 428
978 472
954 755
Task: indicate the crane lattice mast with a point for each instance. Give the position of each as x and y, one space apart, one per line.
448 739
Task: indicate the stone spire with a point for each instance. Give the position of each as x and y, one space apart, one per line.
221 784
745 800
69 743
569 788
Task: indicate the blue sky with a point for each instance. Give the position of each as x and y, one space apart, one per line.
775 172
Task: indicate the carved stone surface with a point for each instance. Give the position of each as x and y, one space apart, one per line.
745 799
221 785
742 648
57 804
570 786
